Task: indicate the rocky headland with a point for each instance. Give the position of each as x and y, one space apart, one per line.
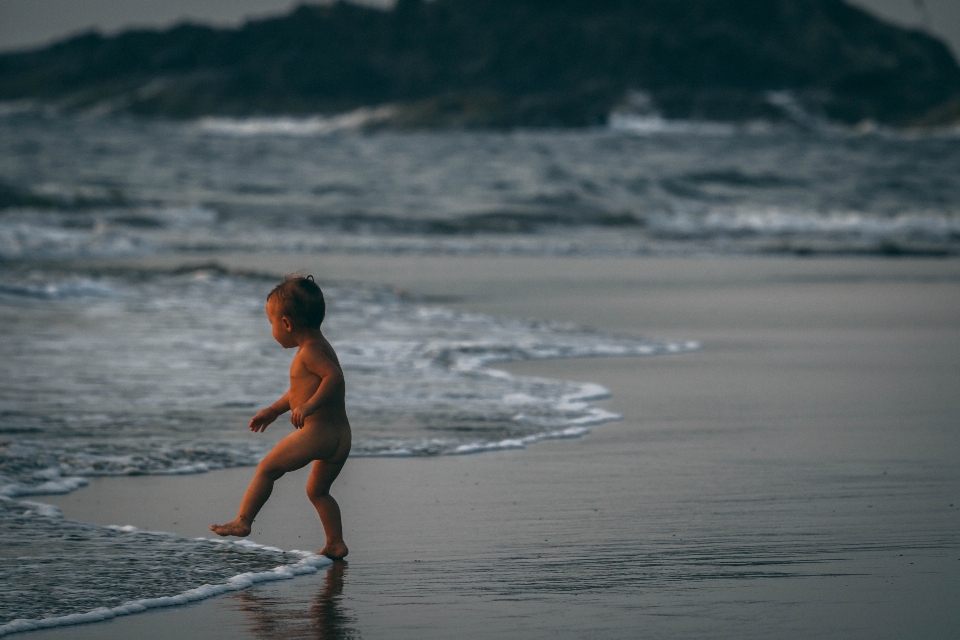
509 63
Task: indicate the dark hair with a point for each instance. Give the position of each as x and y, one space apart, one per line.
301 300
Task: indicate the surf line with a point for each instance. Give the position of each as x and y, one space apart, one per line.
309 563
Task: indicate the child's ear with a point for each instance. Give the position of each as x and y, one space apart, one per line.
286 323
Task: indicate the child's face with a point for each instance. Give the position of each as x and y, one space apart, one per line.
280 324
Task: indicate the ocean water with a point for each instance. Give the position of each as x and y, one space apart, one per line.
119 187
128 371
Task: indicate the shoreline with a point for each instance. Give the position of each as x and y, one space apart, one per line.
776 483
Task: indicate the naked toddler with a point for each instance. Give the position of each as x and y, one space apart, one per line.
315 400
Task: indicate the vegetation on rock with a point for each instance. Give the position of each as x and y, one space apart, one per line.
504 63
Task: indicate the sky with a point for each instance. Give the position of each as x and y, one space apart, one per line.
33 23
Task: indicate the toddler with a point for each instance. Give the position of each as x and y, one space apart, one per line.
315 400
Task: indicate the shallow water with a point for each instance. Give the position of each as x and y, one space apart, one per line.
158 372
45 562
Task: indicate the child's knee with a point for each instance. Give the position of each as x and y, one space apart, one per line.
316 491
270 471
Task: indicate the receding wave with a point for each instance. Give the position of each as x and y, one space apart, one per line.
84 563
145 383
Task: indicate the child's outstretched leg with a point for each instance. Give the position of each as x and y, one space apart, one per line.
288 455
318 490
256 495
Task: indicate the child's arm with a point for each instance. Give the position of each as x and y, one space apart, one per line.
264 417
331 386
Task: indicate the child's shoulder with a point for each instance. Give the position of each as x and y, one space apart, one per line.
319 351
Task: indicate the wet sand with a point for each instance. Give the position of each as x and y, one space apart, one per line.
799 476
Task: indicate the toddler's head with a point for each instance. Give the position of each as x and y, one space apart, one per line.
299 298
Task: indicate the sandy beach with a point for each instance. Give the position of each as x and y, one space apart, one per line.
798 476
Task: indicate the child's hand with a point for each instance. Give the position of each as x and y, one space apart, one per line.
299 415
264 417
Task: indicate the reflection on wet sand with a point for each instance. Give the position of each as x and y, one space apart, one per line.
282 617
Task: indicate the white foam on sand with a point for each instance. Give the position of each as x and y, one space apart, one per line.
50 487
521 443
42 509
309 563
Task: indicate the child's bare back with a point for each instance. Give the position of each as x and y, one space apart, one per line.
315 400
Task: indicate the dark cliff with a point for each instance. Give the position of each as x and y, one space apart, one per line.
510 63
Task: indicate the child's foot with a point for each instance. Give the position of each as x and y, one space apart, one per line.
238 527
335 551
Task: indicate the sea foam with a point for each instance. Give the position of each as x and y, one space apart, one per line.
311 126
80 574
310 563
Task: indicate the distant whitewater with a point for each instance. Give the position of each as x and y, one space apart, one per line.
643 185
289 126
